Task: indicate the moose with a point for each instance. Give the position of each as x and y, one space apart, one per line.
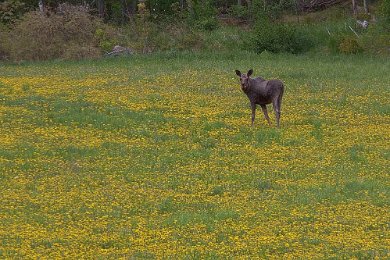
262 92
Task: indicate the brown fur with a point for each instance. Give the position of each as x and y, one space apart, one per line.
262 92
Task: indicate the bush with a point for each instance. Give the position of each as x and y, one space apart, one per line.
239 11
384 12
344 43
334 43
141 33
11 11
349 45
280 38
203 15
162 37
4 35
70 33
376 40
107 37
161 8
145 36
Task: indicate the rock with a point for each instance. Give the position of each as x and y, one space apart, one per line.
119 50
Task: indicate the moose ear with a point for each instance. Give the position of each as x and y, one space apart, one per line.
250 72
238 73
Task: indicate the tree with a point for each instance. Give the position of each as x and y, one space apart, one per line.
101 8
354 7
41 6
365 6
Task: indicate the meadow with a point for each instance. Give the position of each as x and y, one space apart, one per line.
153 157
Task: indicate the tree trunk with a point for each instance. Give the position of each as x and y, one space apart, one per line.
250 8
365 6
100 7
182 4
354 7
124 11
239 2
41 5
132 7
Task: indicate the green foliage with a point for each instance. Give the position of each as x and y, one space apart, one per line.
202 15
344 42
279 38
185 31
194 26
376 40
271 9
144 36
161 8
141 34
333 44
11 11
4 34
225 38
189 40
114 12
105 40
384 12
239 11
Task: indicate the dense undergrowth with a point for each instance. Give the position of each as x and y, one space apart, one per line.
73 33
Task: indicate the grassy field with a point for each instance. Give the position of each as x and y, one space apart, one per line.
153 157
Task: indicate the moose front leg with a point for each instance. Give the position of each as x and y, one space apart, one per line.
253 106
264 108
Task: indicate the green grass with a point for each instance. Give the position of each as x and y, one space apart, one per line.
154 157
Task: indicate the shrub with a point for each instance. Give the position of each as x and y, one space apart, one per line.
239 11
106 37
376 40
334 43
280 38
349 45
141 33
70 33
11 11
4 36
207 23
162 37
36 37
344 43
190 40
203 15
161 8
74 51
384 12
145 36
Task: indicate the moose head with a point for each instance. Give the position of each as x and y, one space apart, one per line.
244 79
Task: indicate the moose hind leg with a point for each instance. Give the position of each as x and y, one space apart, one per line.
264 108
276 106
